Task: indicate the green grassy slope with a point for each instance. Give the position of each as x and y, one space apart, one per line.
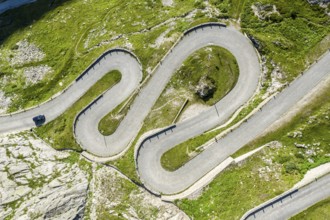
320 210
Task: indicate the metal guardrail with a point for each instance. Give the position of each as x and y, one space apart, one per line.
138 152
84 110
154 135
201 26
271 203
77 79
115 50
157 134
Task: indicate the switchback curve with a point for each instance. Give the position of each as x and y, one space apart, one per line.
208 34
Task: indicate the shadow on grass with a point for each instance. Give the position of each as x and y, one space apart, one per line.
15 19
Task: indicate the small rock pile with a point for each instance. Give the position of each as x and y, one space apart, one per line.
205 88
4 102
315 2
36 73
265 11
25 52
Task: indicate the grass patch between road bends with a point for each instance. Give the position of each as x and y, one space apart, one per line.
271 171
109 123
209 65
179 155
215 64
320 210
59 131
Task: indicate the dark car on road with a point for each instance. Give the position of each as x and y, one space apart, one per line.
39 120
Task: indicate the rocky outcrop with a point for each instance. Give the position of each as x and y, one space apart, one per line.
315 2
37 183
36 73
205 88
4 102
25 52
266 12
113 196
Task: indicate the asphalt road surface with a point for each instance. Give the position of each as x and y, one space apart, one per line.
87 127
160 180
123 61
148 160
299 201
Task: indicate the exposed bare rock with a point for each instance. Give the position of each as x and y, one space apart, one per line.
25 52
4 102
275 145
276 75
36 184
266 12
300 146
167 2
205 88
115 195
296 134
36 73
58 200
315 2
18 168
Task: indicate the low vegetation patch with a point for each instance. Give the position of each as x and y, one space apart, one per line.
236 190
286 32
108 125
59 131
113 196
311 125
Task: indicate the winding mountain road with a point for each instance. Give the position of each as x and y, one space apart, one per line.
121 60
87 131
148 158
160 180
